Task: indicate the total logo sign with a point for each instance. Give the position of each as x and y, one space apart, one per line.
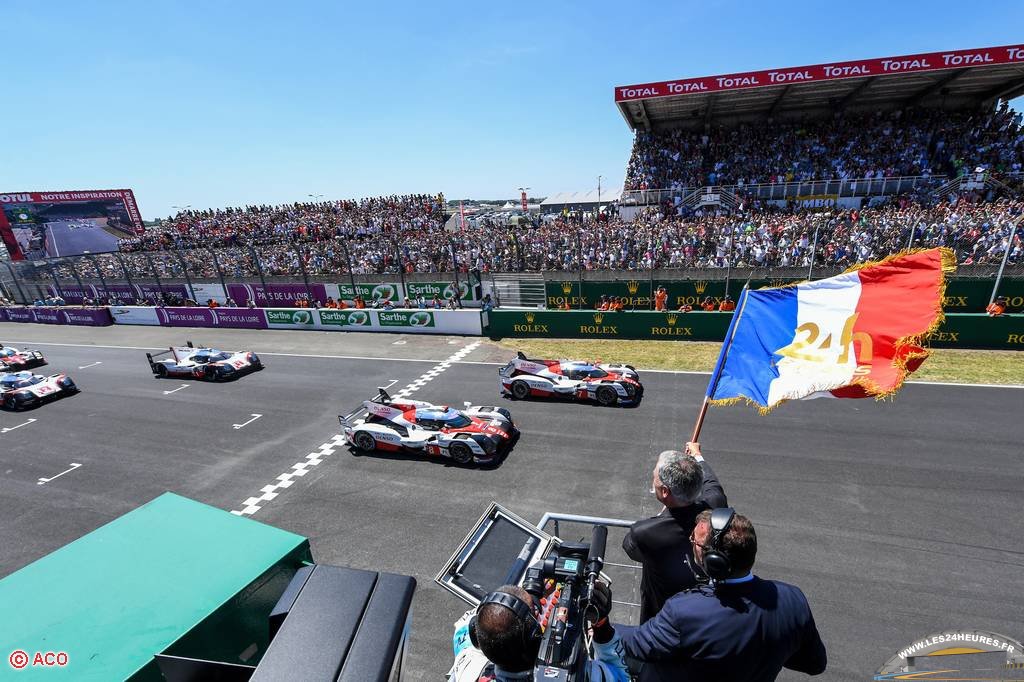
419 318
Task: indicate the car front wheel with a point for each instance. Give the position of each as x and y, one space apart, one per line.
606 395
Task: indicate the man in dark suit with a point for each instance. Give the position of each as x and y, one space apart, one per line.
740 628
686 485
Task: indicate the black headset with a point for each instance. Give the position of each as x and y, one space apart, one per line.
717 563
532 632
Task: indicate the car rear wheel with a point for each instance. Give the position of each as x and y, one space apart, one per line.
520 390
364 441
161 371
606 395
461 453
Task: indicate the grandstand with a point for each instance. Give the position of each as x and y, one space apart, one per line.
799 118
792 171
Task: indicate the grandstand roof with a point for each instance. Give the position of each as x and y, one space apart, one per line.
953 79
588 197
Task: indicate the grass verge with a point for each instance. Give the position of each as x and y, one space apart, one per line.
945 364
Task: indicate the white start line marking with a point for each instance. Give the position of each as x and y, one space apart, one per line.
183 386
100 362
268 492
244 424
11 428
44 481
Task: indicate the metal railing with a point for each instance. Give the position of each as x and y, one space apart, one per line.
839 187
631 570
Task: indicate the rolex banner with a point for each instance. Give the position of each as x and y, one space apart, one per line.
962 295
958 331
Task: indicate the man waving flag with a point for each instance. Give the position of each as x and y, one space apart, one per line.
851 336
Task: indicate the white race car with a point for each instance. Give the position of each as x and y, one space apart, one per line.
524 377
203 363
22 390
14 360
479 434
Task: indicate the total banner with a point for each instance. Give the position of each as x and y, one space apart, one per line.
235 318
90 317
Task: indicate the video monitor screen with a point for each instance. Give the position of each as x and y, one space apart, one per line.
500 556
38 225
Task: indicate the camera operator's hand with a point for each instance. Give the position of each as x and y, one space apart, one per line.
601 600
693 450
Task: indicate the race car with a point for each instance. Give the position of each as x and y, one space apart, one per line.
524 377
479 434
14 360
203 363
22 390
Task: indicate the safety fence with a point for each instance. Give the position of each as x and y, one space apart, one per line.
958 330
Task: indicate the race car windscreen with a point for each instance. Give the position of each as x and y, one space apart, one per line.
13 381
450 418
587 372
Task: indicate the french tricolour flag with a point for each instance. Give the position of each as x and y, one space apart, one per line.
850 336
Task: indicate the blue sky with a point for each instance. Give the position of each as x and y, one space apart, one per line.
227 103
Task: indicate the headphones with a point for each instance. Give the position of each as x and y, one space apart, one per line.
717 563
532 632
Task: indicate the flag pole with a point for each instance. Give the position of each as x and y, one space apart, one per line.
730 334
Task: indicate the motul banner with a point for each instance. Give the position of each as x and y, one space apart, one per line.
931 61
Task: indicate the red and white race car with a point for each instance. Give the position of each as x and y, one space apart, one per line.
14 360
203 363
479 434
22 390
524 377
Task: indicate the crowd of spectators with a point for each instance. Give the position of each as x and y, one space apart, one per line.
863 145
764 235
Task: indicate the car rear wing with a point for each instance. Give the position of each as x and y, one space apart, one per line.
346 419
154 358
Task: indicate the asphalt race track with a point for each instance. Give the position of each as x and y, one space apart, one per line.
63 240
897 519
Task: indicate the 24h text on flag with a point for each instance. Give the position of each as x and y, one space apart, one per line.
855 335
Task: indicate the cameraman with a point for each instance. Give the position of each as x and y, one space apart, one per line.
685 484
739 628
505 639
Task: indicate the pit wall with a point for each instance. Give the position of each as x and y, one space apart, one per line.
461 322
